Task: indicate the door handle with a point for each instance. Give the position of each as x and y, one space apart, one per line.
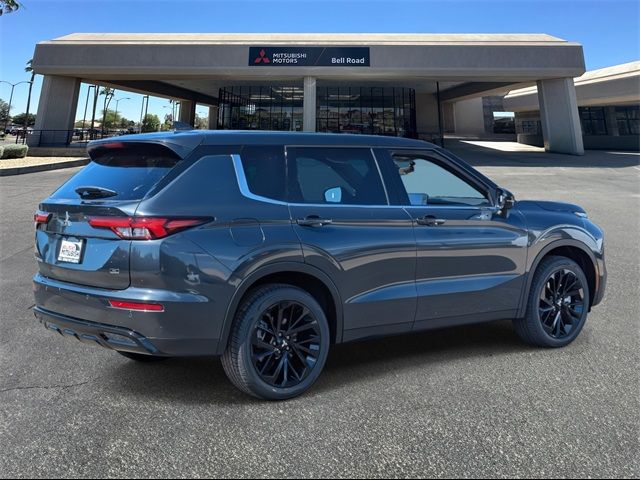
430 221
314 221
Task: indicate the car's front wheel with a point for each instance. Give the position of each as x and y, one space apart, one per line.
558 304
278 344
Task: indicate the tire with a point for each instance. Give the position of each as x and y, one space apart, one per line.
557 306
271 359
139 357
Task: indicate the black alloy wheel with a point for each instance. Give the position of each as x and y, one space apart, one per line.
285 344
278 344
557 306
562 303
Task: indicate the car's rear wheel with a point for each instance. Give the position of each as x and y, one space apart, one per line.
558 304
139 357
278 344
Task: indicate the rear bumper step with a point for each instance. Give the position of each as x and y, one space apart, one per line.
106 336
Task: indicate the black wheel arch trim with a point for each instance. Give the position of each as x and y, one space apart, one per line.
274 268
543 253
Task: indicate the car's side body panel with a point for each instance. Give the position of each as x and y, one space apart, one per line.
385 273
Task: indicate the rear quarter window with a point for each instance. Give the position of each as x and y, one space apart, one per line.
129 169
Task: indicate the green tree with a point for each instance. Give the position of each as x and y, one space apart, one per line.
108 95
29 69
111 120
201 123
4 112
8 6
21 119
150 123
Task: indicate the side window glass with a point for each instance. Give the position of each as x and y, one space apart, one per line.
427 182
264 169
334 176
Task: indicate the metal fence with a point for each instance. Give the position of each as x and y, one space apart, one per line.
61 138
79 138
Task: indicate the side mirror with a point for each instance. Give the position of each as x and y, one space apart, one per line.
333 195
506 200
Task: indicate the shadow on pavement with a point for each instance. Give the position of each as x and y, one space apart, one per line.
203 381
492 156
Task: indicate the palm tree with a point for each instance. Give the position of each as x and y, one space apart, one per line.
29 69
108 95
8 6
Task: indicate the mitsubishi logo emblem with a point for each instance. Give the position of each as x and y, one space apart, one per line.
262 58
66 222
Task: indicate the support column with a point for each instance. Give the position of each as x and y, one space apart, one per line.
187 112
559 116
309 105
213 118
56 111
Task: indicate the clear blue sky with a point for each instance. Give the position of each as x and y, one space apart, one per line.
608 29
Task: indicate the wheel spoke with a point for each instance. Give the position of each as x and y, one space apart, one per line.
302 328
305 312
285 344
262 344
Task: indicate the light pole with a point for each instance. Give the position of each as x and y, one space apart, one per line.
86 104
116 115
13 85
143 111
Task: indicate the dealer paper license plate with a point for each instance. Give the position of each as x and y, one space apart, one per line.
70 251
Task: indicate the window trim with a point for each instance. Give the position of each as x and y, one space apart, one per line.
382 156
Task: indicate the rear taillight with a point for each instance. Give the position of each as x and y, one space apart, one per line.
144 228
41 218
142 307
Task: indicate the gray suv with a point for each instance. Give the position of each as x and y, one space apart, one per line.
265 248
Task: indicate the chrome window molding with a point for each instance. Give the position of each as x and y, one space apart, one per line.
246 192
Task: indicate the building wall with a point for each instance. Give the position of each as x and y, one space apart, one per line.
469 117
426 113
603 133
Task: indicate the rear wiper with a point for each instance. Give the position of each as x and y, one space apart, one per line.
95 192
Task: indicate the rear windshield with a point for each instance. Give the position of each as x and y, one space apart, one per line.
130 170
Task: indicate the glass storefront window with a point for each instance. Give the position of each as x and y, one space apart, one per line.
368 110
628 119
339 109
592 120
260 108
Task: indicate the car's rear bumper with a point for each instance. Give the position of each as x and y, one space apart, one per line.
107 336
184 328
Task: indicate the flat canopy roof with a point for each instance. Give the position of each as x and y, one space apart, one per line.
311 38
195 65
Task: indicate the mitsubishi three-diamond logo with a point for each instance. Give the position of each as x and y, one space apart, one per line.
262 58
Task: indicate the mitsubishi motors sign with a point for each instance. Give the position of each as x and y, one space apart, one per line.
309 56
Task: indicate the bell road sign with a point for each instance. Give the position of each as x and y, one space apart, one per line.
309 56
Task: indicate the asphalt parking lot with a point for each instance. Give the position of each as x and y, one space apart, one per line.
464 402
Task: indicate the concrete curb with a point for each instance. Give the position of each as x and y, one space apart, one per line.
5 172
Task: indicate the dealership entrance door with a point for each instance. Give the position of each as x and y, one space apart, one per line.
339 109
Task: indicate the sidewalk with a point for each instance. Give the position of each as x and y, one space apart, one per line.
17 166
498 154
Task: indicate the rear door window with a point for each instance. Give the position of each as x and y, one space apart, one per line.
264 169
128 169
347 176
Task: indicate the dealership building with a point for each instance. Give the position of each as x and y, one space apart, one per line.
608 107
414 85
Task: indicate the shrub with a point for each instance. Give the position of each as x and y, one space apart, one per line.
1 150
15 151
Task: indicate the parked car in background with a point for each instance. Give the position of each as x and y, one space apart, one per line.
265 248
